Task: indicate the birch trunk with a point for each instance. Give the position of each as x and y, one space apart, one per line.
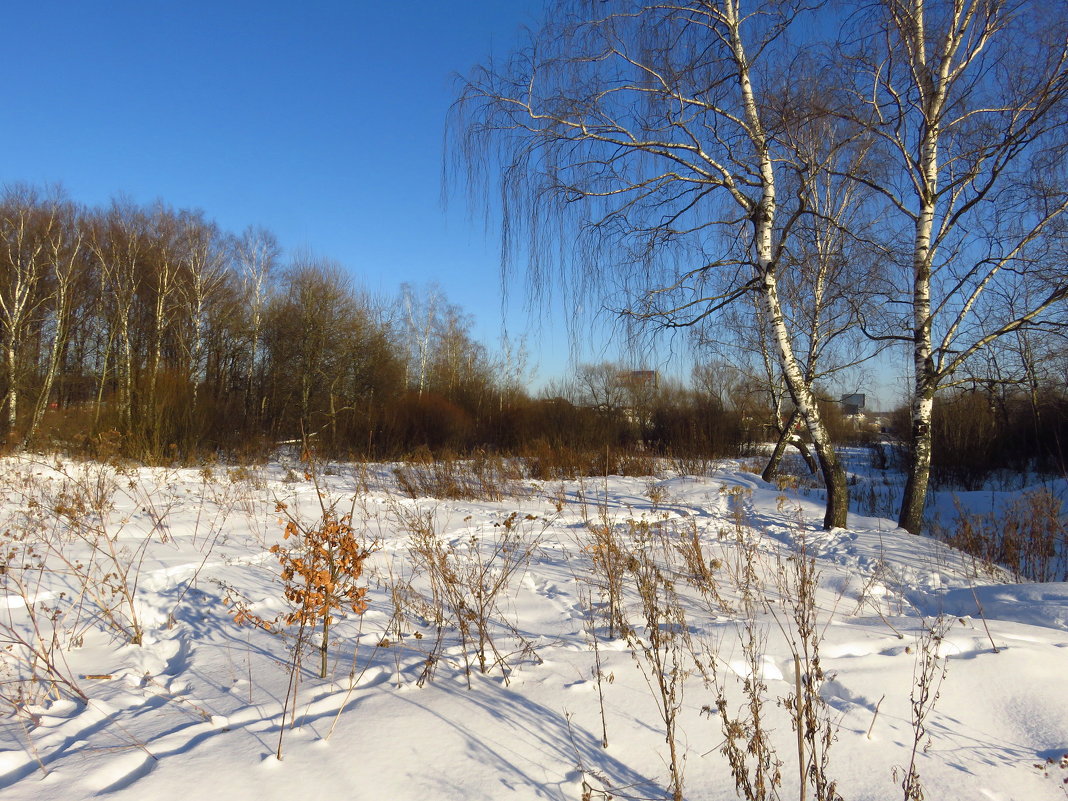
257 255
20 297
786 439
919 471
125 374
63 269
12 397
159 324
55 349
837 504
763 219
925 378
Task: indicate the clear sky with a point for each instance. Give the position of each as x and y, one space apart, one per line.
321 120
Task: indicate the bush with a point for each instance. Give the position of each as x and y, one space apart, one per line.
1029 537
979 432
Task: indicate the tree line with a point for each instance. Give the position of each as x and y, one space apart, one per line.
151 332
796 185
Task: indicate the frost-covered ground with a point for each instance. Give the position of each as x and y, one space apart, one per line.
198 707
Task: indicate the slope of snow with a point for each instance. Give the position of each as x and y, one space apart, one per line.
198 707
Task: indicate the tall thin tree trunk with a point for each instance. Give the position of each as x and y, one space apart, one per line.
771 469
12 397
925 373
102 383
837 508
125 377
763 219
55 352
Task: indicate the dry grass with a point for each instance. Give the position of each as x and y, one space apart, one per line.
482 477
468 580
1030 537
75 565
456 587
548 463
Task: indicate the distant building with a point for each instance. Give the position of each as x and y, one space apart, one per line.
639 379
852 404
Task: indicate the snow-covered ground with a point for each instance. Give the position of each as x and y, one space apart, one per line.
709 574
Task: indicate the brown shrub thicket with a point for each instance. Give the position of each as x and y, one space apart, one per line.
979 432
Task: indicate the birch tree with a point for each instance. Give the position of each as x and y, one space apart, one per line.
161 287
257 255
828 260
204 272
64 254
969 102
420 316
120 243
641 142
25 225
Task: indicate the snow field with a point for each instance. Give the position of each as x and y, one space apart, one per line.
198 706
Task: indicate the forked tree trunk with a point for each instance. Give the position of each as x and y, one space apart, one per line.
833 474
762 216
58 343
63 272
786 438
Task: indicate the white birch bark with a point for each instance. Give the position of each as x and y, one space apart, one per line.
65 249
119 251
763 218
23 232
257 255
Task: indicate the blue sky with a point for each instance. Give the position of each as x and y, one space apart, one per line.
322 121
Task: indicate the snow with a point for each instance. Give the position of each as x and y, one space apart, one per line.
198 707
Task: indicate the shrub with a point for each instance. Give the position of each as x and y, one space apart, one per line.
482 477
1029 537
320 571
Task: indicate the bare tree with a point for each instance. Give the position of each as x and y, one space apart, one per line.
204 272
257 254
830 254
121 241
160 272
967 100
25 230
64 253
420 314
646 136
458 365
599 386
511 366
305 328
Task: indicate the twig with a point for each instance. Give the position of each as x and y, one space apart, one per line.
876 715
982 616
